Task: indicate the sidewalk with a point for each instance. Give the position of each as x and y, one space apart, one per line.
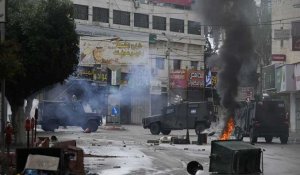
294 137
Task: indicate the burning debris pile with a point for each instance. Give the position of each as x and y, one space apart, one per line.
236 56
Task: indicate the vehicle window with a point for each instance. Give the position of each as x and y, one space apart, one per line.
193 111
170 110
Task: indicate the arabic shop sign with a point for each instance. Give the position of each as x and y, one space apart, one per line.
178 79
109 50
196 78
94 73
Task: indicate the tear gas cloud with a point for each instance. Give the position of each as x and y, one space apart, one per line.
100 98
236 56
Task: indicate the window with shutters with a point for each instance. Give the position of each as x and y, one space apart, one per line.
81 12
100 14
177 25
121 17
159 23
141 20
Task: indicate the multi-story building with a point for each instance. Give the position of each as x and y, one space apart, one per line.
282 78
169 54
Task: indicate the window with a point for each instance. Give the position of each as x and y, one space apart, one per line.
141 20
176 64
194 28
160 63
177 25
194 64
121 17
81 12
296 36
170 110
100 14
159 23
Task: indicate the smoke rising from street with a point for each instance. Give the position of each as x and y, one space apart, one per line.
236 56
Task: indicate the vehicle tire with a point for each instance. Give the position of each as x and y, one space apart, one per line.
253 138
93 125
50 125
200 127
155 128
165 131
269 139
238 133
284 139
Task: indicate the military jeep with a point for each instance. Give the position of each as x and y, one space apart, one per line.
191 115
53 114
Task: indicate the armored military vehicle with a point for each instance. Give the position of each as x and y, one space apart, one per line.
265 118
191 115
53 114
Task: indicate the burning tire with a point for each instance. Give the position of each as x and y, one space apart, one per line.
166 132
284 139
199 128
269 139
155 128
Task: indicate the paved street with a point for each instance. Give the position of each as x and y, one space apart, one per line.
127 152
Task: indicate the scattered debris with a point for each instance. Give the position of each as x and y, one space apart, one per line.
212 133
166 139
102 156
185 149
116 166
176 140
87 130
153 141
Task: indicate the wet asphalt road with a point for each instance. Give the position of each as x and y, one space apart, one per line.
127 152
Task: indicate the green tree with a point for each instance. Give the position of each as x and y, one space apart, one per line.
10 63
45 31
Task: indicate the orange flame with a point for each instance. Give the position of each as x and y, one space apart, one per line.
228 129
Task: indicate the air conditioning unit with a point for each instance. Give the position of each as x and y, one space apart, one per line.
136 3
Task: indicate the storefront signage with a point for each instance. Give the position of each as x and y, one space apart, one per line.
178 79
114 51
95 73
196 78
279 57
282 34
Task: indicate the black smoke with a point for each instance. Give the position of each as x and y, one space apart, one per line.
234 18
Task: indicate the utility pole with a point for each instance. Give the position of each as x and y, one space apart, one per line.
168 61
3 7
169 69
